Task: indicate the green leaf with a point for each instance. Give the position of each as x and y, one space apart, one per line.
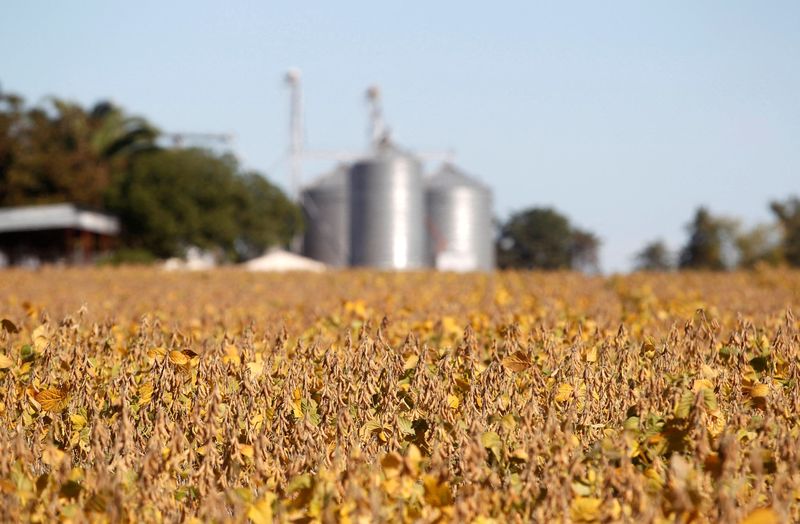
26 353
631 424
685 405
404 426
491 441
310 411
298 483
709 399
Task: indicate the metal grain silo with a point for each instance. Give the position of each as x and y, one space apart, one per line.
387 213
327 213
459 220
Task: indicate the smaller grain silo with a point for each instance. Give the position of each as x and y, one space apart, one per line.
327 215
387 211
459 221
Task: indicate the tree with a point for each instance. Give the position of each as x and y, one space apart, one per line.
788 214
655 256
584 247
266 216
762 244
166 200
543 238
59 152
170 200
711 242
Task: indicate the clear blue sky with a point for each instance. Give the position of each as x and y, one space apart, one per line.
624 115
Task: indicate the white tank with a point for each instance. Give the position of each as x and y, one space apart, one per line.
326 211
387 213
459 220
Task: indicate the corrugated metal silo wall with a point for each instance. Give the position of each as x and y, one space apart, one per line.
387 215
326 210
460 226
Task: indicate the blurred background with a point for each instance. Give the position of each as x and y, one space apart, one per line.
605 137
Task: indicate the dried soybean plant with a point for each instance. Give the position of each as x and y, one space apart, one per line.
360 396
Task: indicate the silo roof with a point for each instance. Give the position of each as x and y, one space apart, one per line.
333 178
450 176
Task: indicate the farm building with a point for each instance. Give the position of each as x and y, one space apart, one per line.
55 233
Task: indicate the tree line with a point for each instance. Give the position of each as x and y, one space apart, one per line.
543 238
167 199
720 243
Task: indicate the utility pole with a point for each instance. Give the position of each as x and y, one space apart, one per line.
295 130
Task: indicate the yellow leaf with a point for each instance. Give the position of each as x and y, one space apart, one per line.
759 391
762 516
437 491
450 326
78 421
715 423
502 297
145 393
411 362
504 400
520 454
491 441
708 372
156 352
257 421
702 383
297 408
52 456
180 359
356 307
517 361
453 401
585 509
371 426
5 361
246 450
564 393
591 355
413 458
52 399
39 338
261 511
256 368
231 355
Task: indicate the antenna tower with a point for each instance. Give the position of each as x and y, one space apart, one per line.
295 130
377 129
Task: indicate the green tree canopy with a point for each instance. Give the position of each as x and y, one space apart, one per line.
170 200
167 200
543 238
265 216
711 242
655 256
788 214
759 245
59 152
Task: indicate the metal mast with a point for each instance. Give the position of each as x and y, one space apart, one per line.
377 130
295 130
